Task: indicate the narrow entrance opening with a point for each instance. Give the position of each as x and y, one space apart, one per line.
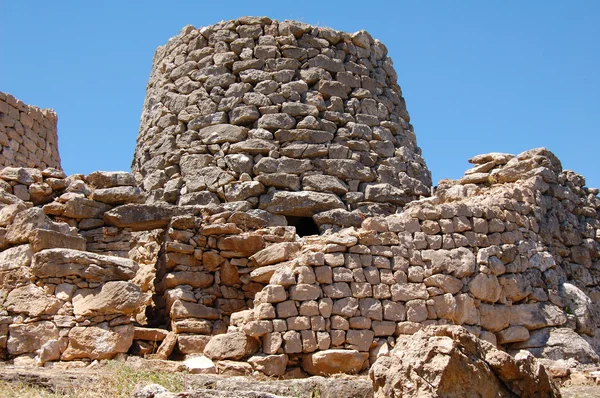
305 226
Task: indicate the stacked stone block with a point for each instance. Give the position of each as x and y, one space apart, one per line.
290 118
65 295
28 135
491 257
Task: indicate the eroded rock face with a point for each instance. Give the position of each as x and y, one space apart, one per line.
230 346
330 362
98 342
449 361
90 266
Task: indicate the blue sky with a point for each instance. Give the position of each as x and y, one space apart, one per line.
477 76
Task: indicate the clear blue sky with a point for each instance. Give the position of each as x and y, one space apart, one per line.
478 76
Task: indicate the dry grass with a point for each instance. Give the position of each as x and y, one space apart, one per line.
114 380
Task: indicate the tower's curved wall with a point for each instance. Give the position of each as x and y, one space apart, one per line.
282 116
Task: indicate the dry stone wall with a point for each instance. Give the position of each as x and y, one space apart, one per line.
286 117
514 259
69 290
28 135
200 259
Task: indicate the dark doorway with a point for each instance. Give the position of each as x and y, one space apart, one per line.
305 226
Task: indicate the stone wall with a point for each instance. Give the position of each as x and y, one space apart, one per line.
510 252
200 258
27 135
290 118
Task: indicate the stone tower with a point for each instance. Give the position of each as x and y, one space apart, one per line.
297 120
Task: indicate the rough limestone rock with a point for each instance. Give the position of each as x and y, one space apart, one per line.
556 344
140 217
90 266
330 362
114 297
230 346
14 266
110 179
26 222
98 342
449 361
31 300
299 204
29 337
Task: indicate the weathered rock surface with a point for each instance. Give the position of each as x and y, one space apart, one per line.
140 217
449 361
98 342
230 346
330 362
59 263
113 297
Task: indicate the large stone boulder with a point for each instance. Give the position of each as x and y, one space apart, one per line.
59 263
230 346
140 217
448 361
330 362
114 297
299 204
98 342
556 344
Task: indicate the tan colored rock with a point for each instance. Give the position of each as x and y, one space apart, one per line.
330 362
303 292
166 347
494 318
192 344
8 213
485 288
14 266
244 245
536 316
114 297
229 275
513 334
360 340
32 301
98 342
183 309
447 283
230 346
41 239
458 262
192 278
200 365
118 195
434 362
409 291
149 334
275 253
108 179
59 263
191 325
140 217
29 337
234 368
79 208
28 221
466 312
270 365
